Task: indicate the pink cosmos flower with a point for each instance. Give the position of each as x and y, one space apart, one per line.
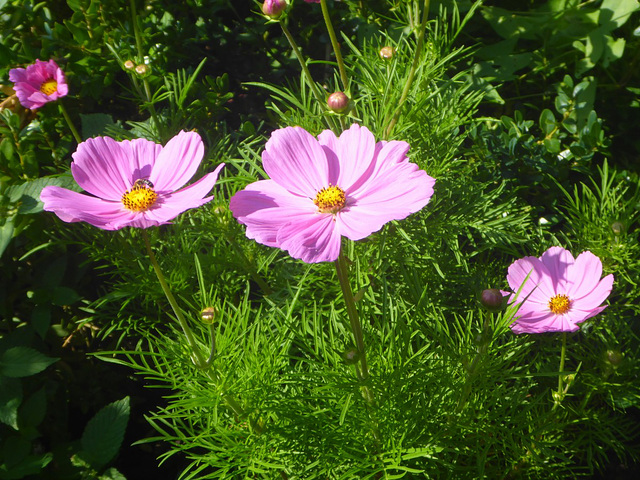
134 183
321 190
560 291
39 83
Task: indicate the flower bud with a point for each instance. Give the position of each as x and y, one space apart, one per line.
129 65
492 299
351 356
338 102
386 53
613 357
208 315
273 8
143 70
617 227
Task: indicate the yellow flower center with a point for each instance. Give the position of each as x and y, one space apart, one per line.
559 304
330 199
49 87
140 197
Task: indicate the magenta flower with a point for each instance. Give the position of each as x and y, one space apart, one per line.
134 183
39 83
321 190
560 291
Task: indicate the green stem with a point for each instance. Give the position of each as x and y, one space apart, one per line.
356 328
335 44
561 369
197 358
303 64
72 127
412 72
145 82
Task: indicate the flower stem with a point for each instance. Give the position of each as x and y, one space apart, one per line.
197 357
145 82
561 369
303 64
412 72
335 44
356 328
72 127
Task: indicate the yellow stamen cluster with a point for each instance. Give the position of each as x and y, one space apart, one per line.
559 304
330 199
49 87
139 198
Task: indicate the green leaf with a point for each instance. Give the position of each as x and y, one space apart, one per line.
33 410
547 121
615 13
10 400
95 124
104 433
28 193
6 233
112 474
23 362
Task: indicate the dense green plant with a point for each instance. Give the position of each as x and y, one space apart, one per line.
263 369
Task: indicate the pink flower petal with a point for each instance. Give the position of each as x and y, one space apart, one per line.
193 196
140 156
72 206
312 239
538 281
405 191
584 275
265 207
294 159
595 297
355 149
177 162
558 261
102 167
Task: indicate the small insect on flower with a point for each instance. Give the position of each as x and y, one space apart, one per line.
143 183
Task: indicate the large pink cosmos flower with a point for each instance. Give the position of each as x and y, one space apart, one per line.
321 190
559 293
39 83
135 182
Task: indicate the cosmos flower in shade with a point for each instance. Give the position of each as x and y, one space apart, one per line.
323 189
560 291
134 183
39 83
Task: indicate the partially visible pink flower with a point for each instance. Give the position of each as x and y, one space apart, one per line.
134 183
39 83
559 293
321 190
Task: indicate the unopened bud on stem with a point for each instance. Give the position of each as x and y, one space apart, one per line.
338 102
273 8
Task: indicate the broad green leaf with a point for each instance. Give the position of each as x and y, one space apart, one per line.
615 13
10 400
6 233
33 409
95 124
104 433
27 194
112 474
23 362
